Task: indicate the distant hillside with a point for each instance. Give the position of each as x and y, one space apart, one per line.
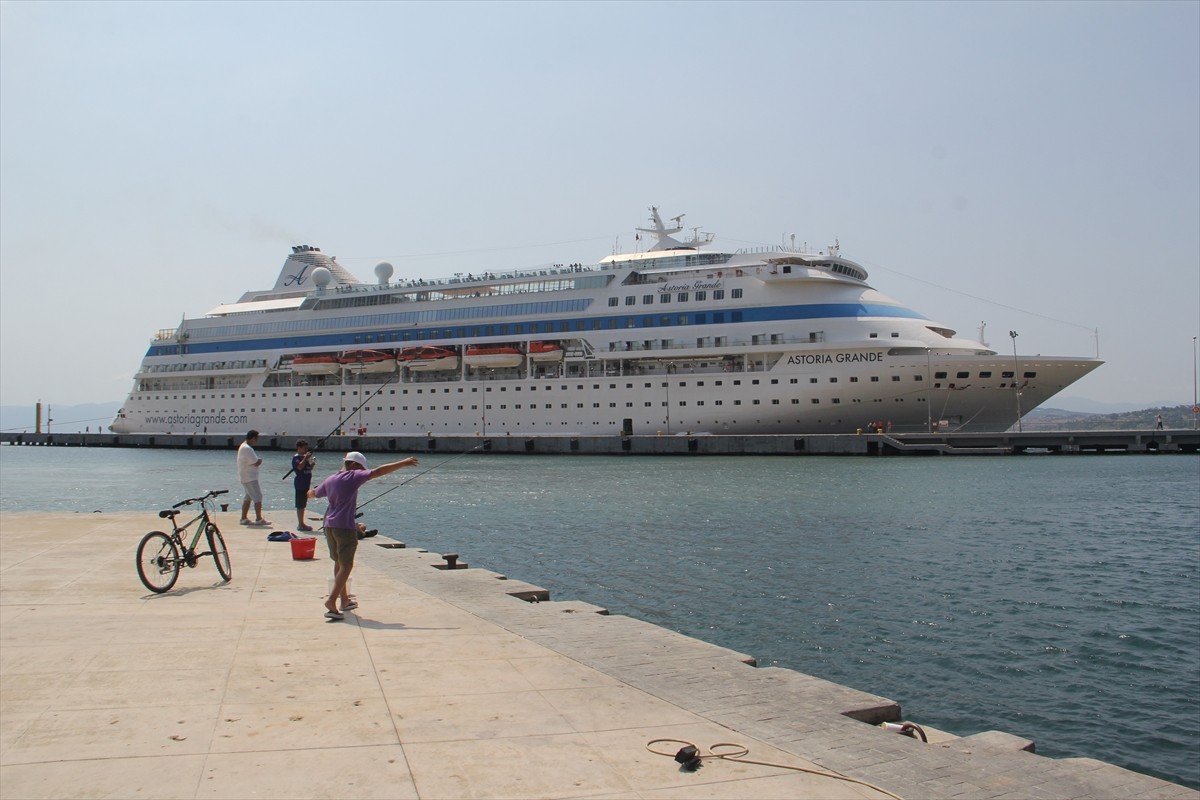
1056 419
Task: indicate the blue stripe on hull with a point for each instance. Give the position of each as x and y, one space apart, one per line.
649 318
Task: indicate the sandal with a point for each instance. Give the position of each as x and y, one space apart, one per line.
334 615
353 604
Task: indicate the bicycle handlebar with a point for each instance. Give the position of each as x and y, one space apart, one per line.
190 500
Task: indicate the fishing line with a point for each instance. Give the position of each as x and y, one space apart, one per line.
414 477
338 427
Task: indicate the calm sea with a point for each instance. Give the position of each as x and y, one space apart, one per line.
1053 597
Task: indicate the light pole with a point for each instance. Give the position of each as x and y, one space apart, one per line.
1195 406
1016 374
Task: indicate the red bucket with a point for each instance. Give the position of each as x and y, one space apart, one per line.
304 549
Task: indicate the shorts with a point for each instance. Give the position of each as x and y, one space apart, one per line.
343 542
253 491
301 497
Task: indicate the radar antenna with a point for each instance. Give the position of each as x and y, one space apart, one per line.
665 241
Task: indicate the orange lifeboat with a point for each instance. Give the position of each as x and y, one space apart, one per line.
545 351
367 361
428 358
493 356
316 364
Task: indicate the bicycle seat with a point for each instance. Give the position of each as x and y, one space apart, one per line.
168 514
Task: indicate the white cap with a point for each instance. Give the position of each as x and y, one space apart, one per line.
357 458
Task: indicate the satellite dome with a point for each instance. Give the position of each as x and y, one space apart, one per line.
322 277
383 272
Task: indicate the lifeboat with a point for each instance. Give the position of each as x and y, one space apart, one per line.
428 358
367 361
545 351
316 364
493 357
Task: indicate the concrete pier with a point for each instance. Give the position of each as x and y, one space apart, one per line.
838 444
444 683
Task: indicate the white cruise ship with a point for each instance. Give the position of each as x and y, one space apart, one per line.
679 339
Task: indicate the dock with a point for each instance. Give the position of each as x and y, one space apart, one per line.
683 444
448 681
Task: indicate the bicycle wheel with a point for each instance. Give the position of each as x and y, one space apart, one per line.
158 562
216 544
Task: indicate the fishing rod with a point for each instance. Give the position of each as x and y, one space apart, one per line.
338 427
419 474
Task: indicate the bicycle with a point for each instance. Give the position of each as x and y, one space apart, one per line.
160 556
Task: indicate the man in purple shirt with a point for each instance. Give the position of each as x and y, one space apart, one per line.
341 532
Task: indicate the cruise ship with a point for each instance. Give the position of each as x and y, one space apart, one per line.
679 338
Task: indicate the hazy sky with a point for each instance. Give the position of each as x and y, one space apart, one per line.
1034 166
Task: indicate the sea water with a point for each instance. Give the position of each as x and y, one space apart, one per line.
1053 597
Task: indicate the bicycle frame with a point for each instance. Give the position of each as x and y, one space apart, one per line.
189 551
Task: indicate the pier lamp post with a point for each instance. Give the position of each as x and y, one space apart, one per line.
1195 404
1016 374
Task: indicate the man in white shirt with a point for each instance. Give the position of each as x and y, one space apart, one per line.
248 463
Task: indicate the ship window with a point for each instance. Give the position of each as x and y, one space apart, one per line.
775 402
718 294
1029 375
833 380
812 380
735 293
836 401
916 377
853 379
1002 375
895 378
683 297
895 335
664 298
630 300
985 374
613 301
701 295
816 401
962 375
647 299
943 375
873 336
718 402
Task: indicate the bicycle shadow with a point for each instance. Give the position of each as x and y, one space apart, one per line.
180 592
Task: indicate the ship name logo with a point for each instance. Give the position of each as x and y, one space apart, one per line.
298 278
694 286
832 358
